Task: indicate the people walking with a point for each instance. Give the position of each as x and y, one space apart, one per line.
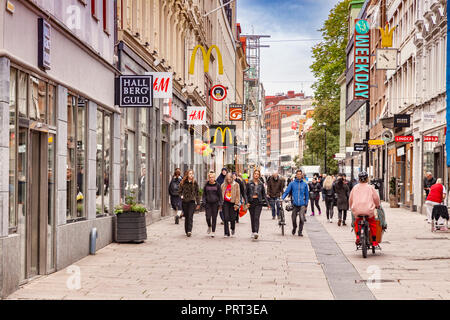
328 192
342 194
175 198
363 201
275 187
428 181
256 195
314 195
220 179
435 196
190 197
298 190
231 198
238 178
212 200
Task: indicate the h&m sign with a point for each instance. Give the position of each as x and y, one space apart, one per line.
361 66
134 91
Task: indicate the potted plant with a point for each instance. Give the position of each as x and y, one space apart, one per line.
131 226
393 201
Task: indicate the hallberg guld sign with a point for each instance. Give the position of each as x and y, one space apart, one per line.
361 66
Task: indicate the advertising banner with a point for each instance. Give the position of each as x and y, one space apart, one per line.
196 115
134 91
361 75
162 84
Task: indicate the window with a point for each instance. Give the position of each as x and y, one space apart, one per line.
76 157
23 94
105 16
143 153
38 101
103 162
94 9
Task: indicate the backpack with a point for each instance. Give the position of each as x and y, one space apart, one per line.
174 187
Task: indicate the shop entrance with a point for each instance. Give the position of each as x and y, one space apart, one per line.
36 165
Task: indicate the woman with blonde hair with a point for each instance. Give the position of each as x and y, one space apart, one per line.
329 193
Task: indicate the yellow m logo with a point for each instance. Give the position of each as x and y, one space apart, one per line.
386 36
224 135
206 58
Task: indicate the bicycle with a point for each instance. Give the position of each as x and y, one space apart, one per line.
282 220
365 237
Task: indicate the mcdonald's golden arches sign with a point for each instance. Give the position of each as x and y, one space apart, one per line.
206 58
222 136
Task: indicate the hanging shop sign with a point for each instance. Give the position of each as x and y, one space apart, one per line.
430 139
162 84
375 142
206 58
404 139
361 76
237 112
359 147
386 36
44 32
402 121
222 136
196 115
294 125
134 91
218 92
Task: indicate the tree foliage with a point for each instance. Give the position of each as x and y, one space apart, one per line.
329 63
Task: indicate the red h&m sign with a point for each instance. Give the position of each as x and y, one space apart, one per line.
404 139
361 66
294 125
430 139
162 84
196 115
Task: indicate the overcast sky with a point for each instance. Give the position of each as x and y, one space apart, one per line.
285 64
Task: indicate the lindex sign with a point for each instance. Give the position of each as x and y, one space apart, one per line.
134 91
404 139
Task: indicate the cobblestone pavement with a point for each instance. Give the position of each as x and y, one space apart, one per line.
414 264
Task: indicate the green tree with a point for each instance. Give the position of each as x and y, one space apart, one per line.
329 63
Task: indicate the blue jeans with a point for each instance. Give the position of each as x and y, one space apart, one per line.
275 204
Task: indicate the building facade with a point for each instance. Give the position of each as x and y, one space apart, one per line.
60 136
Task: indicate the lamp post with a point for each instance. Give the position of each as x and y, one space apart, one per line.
324 124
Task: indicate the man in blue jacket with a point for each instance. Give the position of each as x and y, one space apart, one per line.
298 189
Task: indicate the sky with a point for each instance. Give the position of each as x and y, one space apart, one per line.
285 65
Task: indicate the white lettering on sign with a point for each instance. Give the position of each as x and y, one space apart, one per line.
196 115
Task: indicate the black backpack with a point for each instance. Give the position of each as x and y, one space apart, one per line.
174 187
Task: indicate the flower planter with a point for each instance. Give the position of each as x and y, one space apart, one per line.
393 202
131 227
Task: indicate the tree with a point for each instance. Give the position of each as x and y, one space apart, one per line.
329 63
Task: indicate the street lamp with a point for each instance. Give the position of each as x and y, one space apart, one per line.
324 124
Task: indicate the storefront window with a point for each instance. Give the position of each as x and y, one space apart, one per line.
51 105
143 152
23 92
131 167
76 157
22 178
38 101
103 163
51 200
12 149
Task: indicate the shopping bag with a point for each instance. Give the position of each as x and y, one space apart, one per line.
242 211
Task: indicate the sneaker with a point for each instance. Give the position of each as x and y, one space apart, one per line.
209 230
312 214
375 244
189 234
300 234
253 235
273 218
213 235
177 219
331 221
339 222
293 231
256 236
320 213
343 223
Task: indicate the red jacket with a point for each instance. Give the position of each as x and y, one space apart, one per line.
436 192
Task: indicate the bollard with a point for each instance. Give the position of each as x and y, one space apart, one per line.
93 241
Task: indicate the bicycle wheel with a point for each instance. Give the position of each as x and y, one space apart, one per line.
363 240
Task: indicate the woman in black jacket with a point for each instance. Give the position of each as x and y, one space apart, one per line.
314 195
175 199
256 194
189 192
212 201
343 194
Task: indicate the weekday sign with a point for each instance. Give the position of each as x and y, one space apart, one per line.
134 91
361 66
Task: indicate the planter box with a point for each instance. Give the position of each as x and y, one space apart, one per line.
393 201
131 227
